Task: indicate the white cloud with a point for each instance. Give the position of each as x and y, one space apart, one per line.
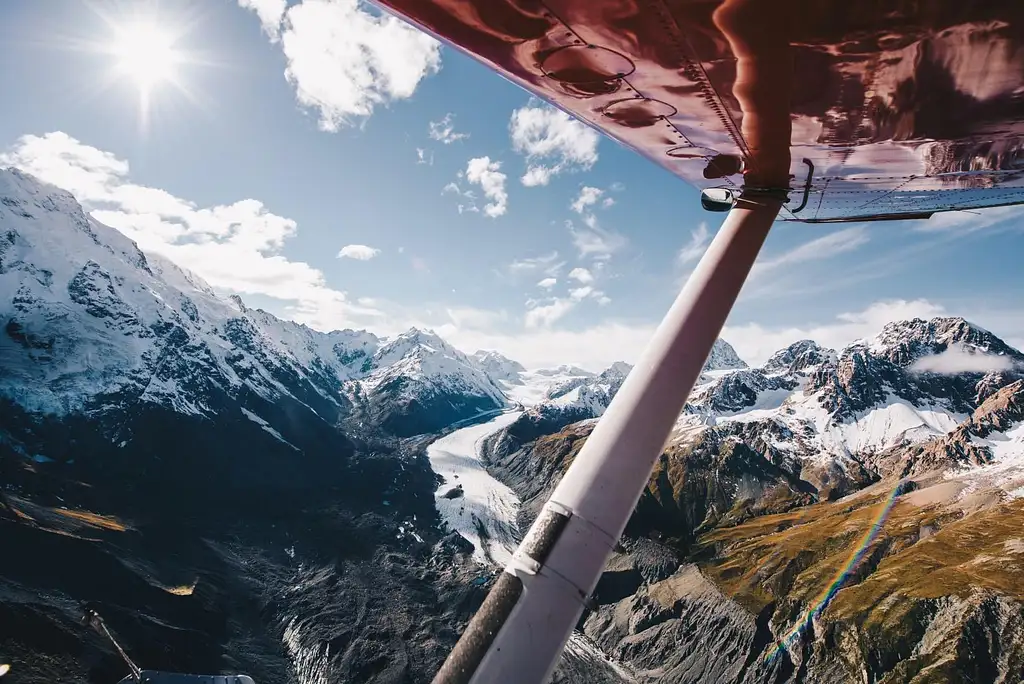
423 158
594 241
551 141
485 173
581 293
581 275
539 346
344 60
824 247
358 252
695 248
587 197
234 247
444 130
957 359
968 221
270 12
547 283
548 264
542 316
467 194
476 319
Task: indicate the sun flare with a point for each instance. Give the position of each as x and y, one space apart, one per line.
146 54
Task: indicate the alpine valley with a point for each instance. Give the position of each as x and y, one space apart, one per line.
234 492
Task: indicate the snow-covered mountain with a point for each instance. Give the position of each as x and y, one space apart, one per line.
93 325
582 397
561 396
723 357
499 367
421 384
827 416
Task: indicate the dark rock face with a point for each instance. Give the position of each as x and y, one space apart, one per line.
713 638
739 390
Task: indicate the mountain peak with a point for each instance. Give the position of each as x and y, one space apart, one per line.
723 357
499 367
797 357
415 333
619 369
903 342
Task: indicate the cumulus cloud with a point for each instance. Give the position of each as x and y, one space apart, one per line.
485 173
581 275
235 247
343 59
547 283
358 252
546 314
423 158
959 359
552 142
270 13
587 197
581 293
444 130
695 248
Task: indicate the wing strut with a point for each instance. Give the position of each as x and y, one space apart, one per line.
522 626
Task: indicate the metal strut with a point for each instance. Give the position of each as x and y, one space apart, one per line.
93 619
523 625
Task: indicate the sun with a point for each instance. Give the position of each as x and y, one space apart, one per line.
146 54
146 51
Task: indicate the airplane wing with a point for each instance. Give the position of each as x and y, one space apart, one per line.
903 109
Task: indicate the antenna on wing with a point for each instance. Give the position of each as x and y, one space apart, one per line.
93 619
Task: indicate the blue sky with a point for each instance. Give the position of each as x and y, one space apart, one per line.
289 133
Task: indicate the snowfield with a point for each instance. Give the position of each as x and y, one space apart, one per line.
1006 472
